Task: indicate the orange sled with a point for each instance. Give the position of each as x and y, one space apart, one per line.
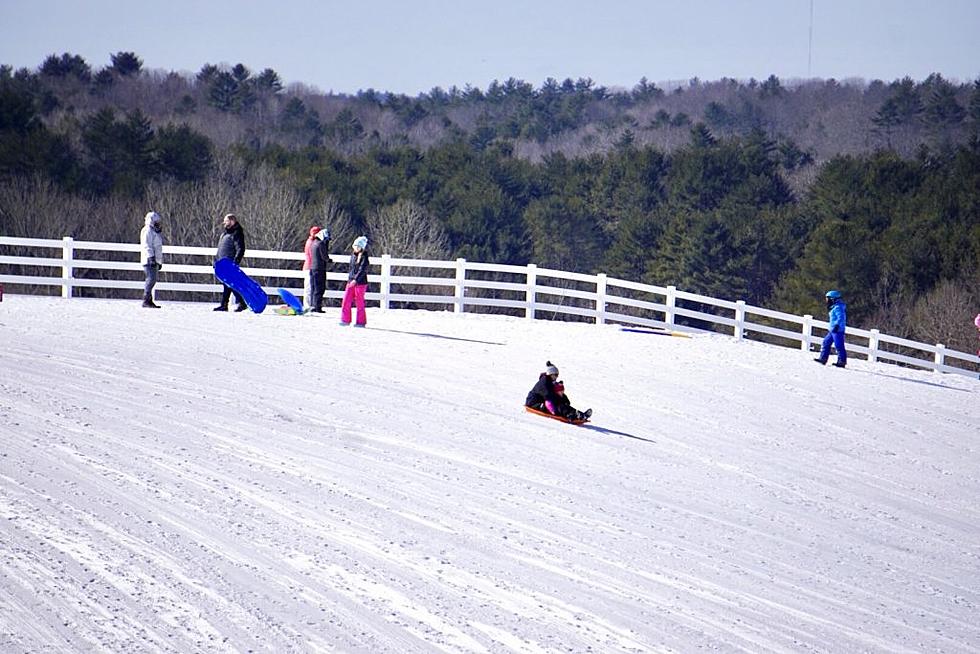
554 417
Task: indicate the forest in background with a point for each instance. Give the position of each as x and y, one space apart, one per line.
766 191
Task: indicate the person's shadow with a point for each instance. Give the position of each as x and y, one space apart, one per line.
914 381
603 430
427 335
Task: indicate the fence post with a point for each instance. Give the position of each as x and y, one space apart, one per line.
873 346
739 319
532 282
385 281
460 284
67 270
807 332
600 299
671 303
940 357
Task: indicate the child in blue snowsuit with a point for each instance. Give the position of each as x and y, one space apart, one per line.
837 317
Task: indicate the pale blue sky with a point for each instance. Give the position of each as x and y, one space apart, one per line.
410 46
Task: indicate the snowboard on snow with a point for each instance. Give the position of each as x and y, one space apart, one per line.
228 272
545 414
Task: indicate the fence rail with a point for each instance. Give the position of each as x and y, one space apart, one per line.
461 285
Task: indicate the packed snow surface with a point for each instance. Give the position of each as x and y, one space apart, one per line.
180 480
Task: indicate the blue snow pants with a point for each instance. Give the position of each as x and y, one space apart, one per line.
837 339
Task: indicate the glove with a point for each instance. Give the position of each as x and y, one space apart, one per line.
159 266
835 330
152 262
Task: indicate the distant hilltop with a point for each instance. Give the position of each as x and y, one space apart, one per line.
812 120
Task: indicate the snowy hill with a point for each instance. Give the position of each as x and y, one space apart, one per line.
188 481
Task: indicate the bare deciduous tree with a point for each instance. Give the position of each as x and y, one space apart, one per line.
891 307
272 208
193 211
405 230
36 208
184 223
331 214
945 315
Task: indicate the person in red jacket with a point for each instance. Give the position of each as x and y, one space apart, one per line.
308 265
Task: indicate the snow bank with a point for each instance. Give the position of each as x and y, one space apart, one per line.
181 480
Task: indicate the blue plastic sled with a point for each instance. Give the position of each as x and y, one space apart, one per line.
228 272
291 300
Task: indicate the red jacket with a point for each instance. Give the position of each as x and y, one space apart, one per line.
307 250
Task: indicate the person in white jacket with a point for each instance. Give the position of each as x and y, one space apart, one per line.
151 255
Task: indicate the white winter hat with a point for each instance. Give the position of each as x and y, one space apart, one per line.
360 242
152 217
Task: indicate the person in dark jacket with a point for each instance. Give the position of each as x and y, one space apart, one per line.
319 264
231 245
548 394
357 281
837 319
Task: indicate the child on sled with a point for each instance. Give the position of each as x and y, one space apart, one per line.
548 395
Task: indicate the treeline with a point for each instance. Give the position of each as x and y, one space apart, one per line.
726 188
810 120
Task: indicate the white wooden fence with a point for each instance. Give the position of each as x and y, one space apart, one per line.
461 285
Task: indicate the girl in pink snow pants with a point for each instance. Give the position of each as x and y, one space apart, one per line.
356 283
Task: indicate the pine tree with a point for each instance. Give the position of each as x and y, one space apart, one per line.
942 109
887 119
908 104
182 153
120 153
973 111
126 64
67 65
